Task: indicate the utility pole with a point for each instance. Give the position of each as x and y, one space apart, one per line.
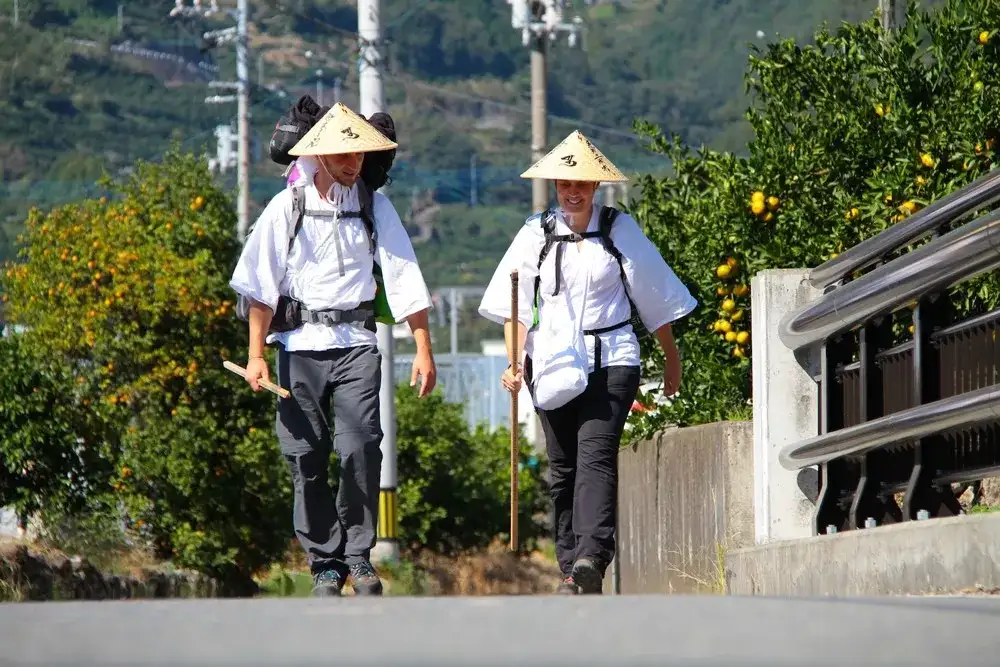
243 121
373 100
121 18
540 21
453 304
539 119
609 194
17 14
210 40
887 14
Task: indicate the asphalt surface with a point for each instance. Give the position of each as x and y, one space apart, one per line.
703 631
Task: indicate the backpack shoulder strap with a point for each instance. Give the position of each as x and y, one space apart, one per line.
548 224
608 216
366 199
298 211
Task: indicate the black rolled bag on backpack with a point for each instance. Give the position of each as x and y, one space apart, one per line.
291 127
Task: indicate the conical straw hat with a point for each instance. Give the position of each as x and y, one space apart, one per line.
340 130
575 159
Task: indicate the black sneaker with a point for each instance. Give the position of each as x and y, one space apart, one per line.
364 581
588 577
568 587
327 584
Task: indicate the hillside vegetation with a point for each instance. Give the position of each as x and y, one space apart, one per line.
75 105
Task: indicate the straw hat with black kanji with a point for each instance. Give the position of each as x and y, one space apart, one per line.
339 131
575 159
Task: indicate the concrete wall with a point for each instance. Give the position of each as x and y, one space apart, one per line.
935 556
27 574
684 499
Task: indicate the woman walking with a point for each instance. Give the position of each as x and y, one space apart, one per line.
590 283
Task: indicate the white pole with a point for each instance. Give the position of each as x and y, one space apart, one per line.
373 100
454 326
539 119
243 122
887 14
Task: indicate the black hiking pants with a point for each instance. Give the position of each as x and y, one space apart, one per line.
582 440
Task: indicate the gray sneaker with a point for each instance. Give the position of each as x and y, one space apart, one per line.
588 577
327 584
364 580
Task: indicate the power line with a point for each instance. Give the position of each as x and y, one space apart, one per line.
413 80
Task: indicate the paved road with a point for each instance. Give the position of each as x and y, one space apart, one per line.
546 631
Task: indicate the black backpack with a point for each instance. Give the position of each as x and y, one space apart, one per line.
607 218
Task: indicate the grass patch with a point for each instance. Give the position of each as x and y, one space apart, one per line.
281 583
984 509
403 579
11 589
742 413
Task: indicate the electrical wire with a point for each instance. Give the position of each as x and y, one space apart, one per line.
413 80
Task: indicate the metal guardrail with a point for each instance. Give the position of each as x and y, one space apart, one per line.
948 260
982 192
904 417
962 411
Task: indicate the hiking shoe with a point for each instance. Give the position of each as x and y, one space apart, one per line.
588 577
568 587
327 584
364 581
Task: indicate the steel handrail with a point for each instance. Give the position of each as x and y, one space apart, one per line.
955 257
981 192
964 410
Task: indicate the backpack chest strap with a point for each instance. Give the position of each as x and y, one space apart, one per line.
560 240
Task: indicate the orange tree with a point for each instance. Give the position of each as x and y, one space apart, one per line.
852 134
128 299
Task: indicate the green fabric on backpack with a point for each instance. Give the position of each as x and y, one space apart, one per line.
383 313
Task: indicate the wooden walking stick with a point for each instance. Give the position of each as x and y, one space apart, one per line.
514 425
270 386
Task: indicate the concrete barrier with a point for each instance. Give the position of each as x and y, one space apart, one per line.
684 500
912 558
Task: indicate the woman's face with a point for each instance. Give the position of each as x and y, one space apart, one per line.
344 168
576 197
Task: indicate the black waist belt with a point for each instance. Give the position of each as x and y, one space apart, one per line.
363 313
597 340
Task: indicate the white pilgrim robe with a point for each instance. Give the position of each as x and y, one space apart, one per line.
592 282
324 248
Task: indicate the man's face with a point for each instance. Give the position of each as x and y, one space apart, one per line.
344 168
576 197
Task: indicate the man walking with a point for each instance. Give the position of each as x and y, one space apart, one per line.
307 273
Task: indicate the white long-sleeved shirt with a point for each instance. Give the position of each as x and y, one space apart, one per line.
329 266
592 282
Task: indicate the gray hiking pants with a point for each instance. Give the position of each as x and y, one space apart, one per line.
335 533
